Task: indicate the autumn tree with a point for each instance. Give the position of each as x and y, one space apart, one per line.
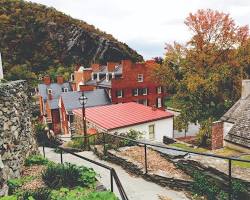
205 74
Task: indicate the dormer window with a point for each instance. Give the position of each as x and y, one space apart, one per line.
65 89
140 78
49 91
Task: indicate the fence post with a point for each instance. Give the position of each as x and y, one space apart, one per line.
43 150
145 155
61 154
111 181
230 178
104 144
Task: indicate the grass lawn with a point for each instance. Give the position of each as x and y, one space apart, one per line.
227 152
242 164
188 148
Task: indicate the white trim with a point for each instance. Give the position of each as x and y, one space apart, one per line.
140 78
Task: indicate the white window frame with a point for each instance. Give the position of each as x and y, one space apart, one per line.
121 95
72 77
137 92
65 89
140 78
146 89
159 103
159 90
49 91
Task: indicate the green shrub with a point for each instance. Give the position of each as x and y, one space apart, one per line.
38 194
80 193
101 196
68 175
14 184
36 160
203 186
239 190
76 143
12 197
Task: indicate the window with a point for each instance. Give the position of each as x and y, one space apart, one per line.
144 91
151 131
49 91
65 89
119 93
72 77
140 78
159 90
135 92
159 102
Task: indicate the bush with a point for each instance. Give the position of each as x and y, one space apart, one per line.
76 143
12 197
36 160
38 194
14 184
68 175
204 135
80 193
239 190
203 186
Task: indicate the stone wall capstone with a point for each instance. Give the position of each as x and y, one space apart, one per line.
17 140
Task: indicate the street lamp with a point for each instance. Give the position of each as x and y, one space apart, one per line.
83 100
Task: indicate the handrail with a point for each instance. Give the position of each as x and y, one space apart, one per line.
181 150
113 174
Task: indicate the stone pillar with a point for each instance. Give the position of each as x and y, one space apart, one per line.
217 135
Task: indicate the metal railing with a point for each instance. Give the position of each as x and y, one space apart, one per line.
146 144
113 174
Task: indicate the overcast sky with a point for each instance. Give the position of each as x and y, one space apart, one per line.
146 25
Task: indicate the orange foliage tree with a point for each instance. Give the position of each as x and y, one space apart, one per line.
204 74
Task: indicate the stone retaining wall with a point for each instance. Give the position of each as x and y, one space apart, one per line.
17 139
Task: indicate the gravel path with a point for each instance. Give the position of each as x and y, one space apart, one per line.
135 187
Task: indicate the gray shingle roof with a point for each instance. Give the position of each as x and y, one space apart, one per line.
56 89
239 114
96 97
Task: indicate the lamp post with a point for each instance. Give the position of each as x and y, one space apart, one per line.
83 100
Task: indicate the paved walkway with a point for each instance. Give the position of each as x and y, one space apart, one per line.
135 187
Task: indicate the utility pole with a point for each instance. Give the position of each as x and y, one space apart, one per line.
1 67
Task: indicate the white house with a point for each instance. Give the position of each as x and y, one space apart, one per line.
120 118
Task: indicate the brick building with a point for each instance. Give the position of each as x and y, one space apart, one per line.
48 95
70 100
123 82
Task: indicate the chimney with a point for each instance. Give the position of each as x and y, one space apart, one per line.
111 66
1 68
46 80
95 67
86 88
245 90
154 108
59 79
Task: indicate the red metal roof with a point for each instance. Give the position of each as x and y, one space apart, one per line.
122 115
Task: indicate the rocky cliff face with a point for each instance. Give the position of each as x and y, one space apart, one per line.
17 139
41 37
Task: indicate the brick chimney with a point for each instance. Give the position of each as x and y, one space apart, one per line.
86 74
217 135
46 80
59 79
111 66
95 67
245 90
